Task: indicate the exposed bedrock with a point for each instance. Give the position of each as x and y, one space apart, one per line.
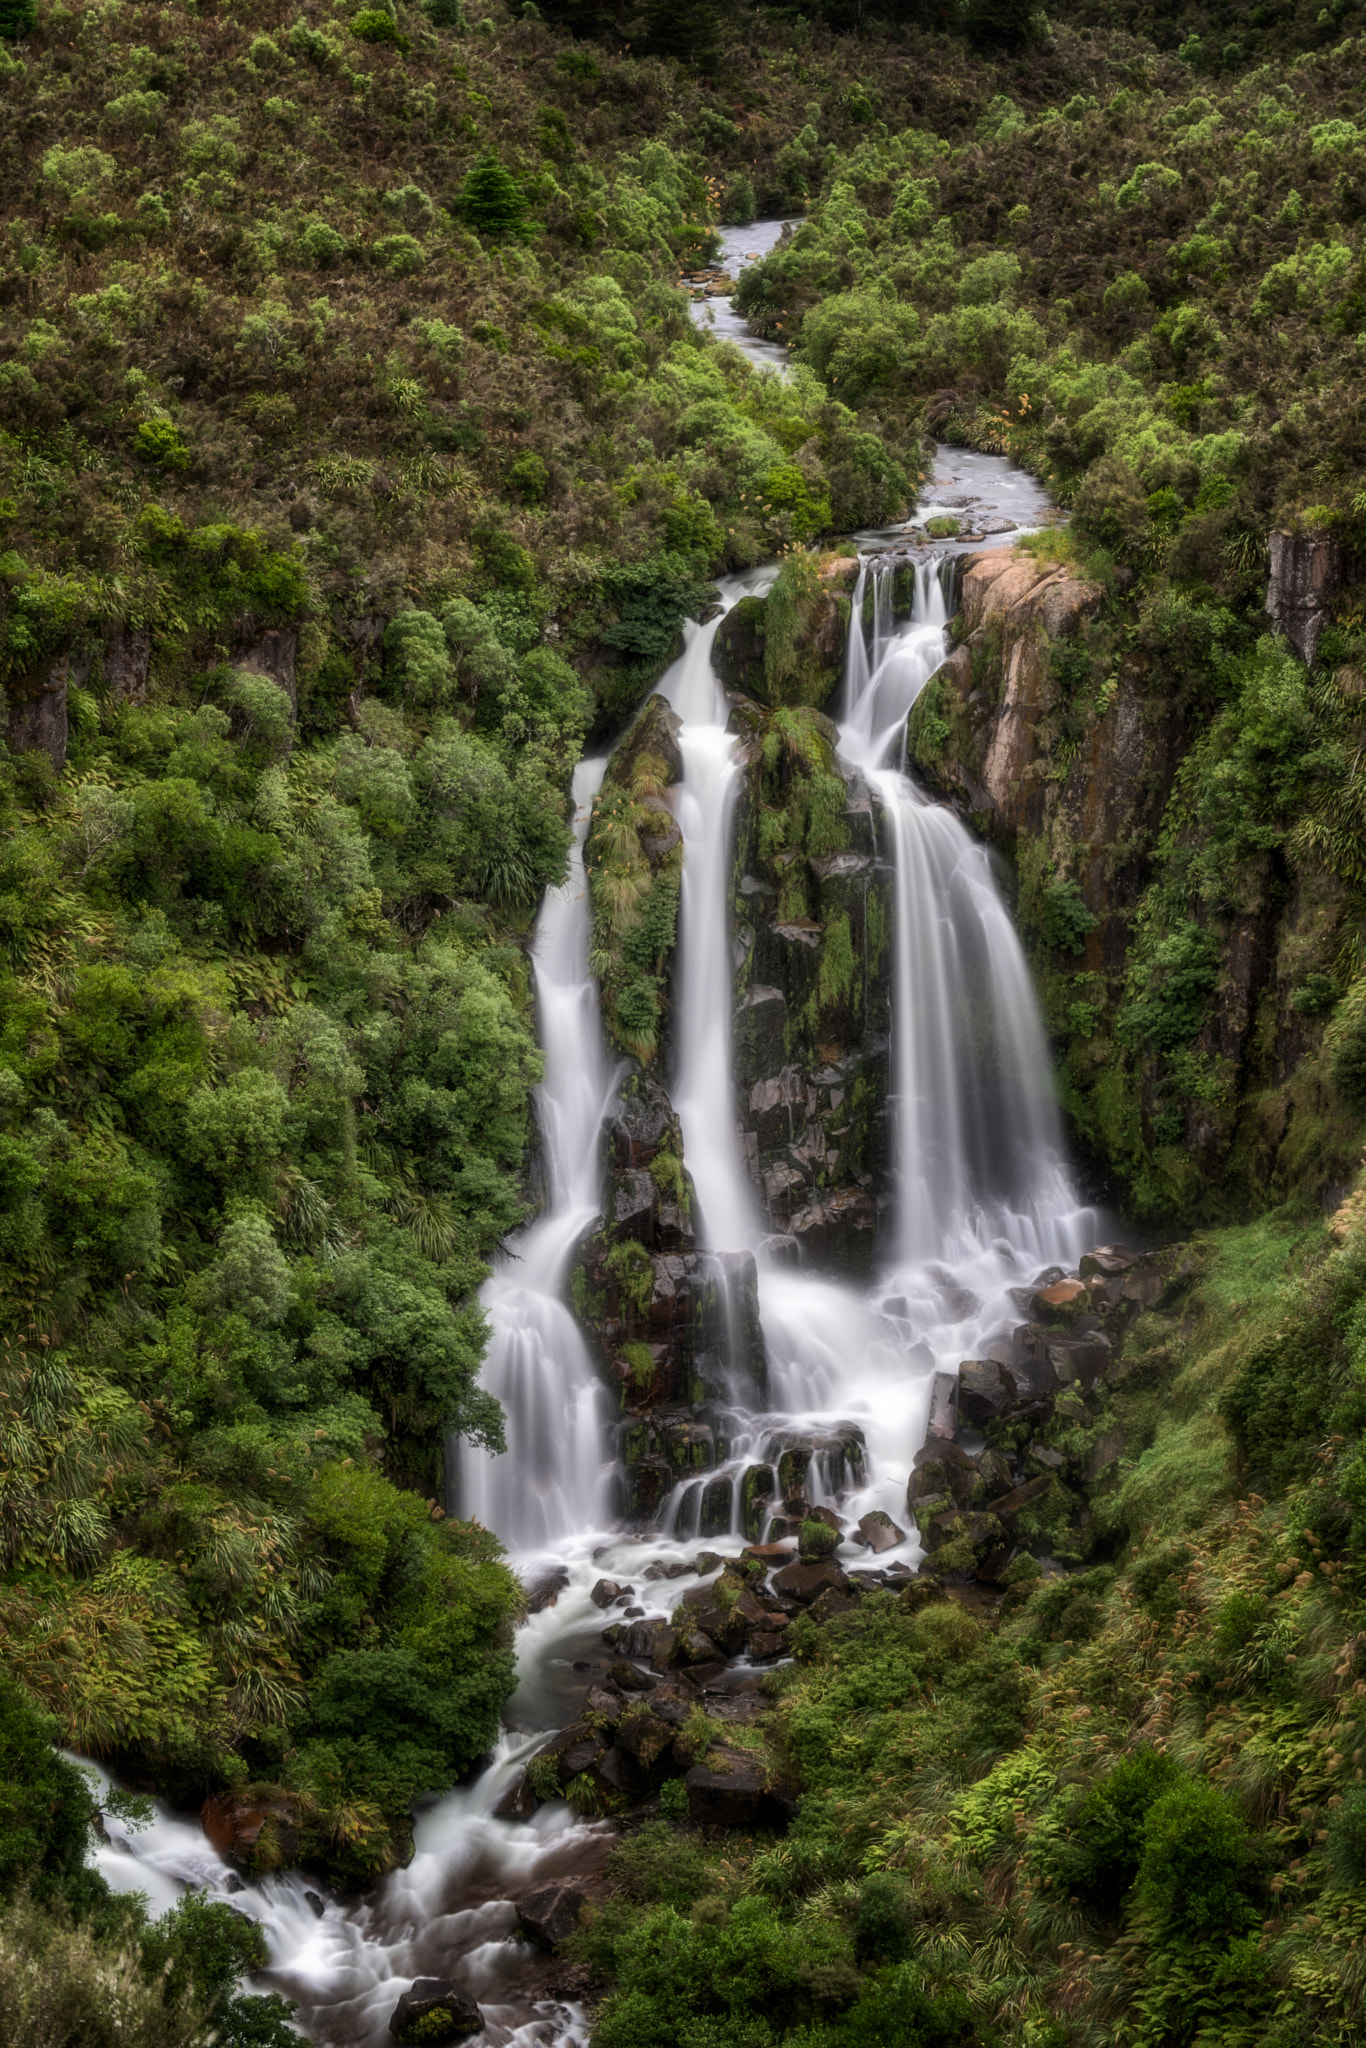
811 922
633 858
1306 575
676 1328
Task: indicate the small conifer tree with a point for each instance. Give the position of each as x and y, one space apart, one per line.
687 29
492 202
18 18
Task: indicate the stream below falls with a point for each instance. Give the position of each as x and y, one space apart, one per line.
982 1199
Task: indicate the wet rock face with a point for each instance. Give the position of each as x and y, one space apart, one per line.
550 1914
38 706
1306 574
272 653
258 1835
812 917
674 1328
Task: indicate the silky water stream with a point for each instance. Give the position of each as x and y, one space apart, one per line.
982 1201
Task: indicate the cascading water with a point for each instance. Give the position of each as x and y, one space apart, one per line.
979 1142
552 1481
983 1200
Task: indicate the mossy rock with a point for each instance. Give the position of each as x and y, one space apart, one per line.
788 647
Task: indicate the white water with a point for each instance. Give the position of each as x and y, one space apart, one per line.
983 1199
553 1479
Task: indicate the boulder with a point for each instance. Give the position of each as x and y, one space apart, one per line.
941 1467
1011 1504
829 1605
434 2011
986 1392
519 1802
879 1531
1081 1358
607 1592
1107 1260
958 1540
260 1834
550 1914
546 1588
730 1788
644 1735
1059 1301
627 1678
943 1418
805 1581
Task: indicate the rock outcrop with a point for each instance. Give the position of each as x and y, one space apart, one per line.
1306 575
633 858
434 2011
811 930
674 1327
788 647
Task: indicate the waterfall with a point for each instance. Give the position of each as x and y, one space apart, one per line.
979 1154
982 1200
702 1093
552 1481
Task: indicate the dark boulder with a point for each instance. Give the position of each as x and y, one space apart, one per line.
730 1788
880 1532
550 1914
434 2011
519 1802
805 1582
986 1392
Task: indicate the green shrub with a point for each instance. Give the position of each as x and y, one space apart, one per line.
377 25
18 18
159 443
1194 1862
1108 1827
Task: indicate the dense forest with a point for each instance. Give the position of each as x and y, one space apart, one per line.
360 464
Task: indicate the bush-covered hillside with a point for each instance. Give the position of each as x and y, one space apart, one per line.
1155 300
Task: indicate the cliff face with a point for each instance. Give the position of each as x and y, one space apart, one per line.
812 919
1184 962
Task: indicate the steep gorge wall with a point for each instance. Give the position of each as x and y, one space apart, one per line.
1059 728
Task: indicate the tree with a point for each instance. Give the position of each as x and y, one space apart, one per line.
1000 24
687 29
491 201
18 18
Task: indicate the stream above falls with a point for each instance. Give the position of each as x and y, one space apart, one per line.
981 1201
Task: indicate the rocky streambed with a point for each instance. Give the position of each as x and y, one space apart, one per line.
1017 1481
